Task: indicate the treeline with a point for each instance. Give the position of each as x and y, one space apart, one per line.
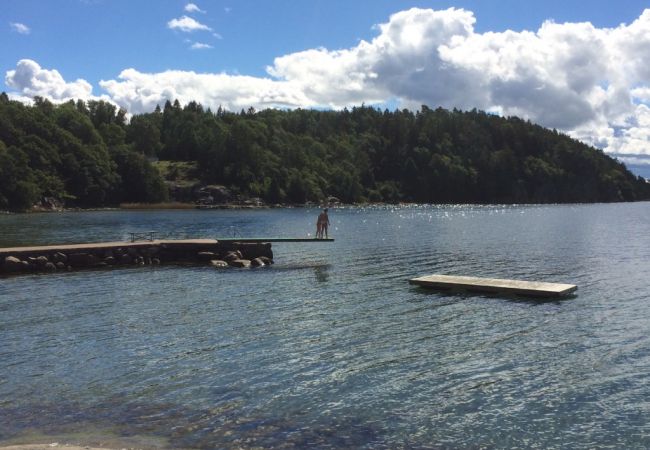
89 154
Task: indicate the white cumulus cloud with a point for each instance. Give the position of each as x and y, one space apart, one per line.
20 27
192 8
139 92
187 25
31 80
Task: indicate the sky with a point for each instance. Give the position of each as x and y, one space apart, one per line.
577 66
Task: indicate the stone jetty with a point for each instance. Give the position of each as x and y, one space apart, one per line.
60 258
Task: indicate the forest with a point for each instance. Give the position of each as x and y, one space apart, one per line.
92 154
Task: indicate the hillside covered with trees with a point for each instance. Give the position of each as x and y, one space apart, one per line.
88 154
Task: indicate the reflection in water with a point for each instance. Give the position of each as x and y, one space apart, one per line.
322 273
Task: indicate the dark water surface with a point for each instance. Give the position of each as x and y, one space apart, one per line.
331 347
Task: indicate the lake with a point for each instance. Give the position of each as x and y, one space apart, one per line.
331 347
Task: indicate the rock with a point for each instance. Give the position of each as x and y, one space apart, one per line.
155 261
233 255
206 256
250 250
126 259
49 267
139 261
13 264
147 261
245 263
60 265
59 257
110 260
25 265
82 260
108 254
219 264
41 261
212 194
257 262
266 260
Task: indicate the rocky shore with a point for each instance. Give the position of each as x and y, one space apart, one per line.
50 259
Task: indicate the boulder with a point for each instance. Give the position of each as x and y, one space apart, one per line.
257 262
219 264
206 256
232 255
60 265
244 263
155 261
41 261
82 260
250 250
110 260
59 257
49 267
266 260
13 264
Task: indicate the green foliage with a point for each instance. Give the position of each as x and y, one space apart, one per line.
89 154
75 152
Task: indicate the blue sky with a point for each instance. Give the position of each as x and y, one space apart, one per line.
565 64
95 39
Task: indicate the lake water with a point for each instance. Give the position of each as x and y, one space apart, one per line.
331 347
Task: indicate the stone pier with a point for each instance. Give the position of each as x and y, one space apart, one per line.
69 257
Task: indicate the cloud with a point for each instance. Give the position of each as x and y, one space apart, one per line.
29 80
192 8
187 25
32 80
593 83
200 46
20 28
141 92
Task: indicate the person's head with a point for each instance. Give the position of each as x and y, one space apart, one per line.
325 210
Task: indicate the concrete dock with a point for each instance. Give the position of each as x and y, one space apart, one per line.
234 251
495 285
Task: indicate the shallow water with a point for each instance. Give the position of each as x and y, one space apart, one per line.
331 347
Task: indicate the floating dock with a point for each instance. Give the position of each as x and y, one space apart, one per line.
495 285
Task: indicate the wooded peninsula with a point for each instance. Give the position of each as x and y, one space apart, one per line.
88 154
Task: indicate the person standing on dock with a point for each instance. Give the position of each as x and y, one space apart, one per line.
322 224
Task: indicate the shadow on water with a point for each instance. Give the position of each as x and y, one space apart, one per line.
462 294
